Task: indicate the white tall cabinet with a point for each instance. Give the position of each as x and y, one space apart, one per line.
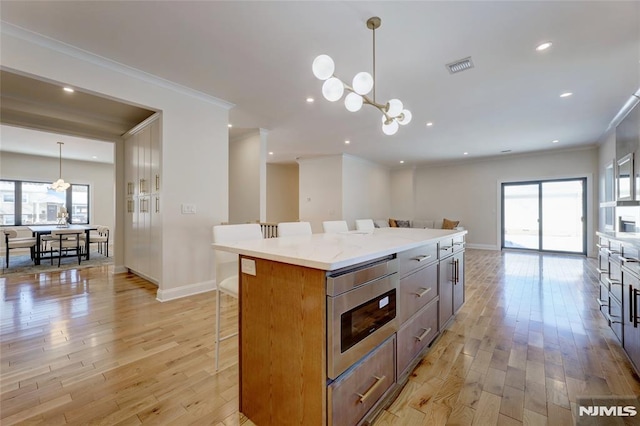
143 214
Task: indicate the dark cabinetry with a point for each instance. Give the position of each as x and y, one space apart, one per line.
451 281
619 292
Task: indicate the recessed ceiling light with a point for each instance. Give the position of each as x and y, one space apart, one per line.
347 142
566 94
310 100
401 161
229 125
465 153
544 46
270 152
94 156
68 89
429 124
555 141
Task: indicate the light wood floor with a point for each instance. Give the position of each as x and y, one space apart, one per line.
90 347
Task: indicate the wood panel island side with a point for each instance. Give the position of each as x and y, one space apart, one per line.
331 325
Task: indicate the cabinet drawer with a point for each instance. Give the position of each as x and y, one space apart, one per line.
356 392
416 334
416 290
615 279
603 299
615 317
458 243
418 257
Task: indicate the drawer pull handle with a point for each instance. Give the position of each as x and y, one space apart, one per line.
458 244
602 302
444 248
614 282
422 257
629 259
423 335
423 292
602 271
376 385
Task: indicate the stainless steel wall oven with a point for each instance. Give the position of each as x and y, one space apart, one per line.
361 311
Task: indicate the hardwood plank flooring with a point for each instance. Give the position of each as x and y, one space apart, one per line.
90 347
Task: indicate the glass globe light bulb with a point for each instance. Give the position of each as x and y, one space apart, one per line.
391 128
323 67
353 102
405 117
332 89
394 107
362 83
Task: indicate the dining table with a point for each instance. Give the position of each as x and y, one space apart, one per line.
39 230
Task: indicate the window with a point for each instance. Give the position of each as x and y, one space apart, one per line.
40 205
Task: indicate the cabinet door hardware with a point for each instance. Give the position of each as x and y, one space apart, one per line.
445 248
376 385
424 334
602 271
634 302
628 259
157 182
613 282
423 292
602 302
157 204
458 244
422 257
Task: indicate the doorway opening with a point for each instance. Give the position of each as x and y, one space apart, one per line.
545 215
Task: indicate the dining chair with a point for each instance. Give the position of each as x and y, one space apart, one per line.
12 241
365 225
64 241
100 236
289 229
227 267
335 226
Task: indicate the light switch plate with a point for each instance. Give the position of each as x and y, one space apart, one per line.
188 208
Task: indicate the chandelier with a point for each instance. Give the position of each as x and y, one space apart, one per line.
393 112
60 185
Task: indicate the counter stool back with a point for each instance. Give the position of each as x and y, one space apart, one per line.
365 225
227 266
289 229
334 226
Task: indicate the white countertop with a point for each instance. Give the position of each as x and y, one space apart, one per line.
334 251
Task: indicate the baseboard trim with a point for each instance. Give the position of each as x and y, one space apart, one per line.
120 269
482 246
185 290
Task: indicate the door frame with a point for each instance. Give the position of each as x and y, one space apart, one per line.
539 182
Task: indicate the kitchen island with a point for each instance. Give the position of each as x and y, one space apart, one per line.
301 342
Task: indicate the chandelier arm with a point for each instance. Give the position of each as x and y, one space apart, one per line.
374 64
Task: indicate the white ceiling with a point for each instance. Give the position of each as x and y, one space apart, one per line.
45 144
258 56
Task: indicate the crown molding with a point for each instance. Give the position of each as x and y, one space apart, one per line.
12 30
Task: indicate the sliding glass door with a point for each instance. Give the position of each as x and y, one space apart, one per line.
545 215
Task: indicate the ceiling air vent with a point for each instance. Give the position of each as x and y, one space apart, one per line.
460 65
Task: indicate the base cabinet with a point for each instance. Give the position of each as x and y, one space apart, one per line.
631 319
451 286
357 391
416 334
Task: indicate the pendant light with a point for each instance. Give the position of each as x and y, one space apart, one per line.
393 112
60 185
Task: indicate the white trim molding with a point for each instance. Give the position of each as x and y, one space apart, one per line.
185 290
482 246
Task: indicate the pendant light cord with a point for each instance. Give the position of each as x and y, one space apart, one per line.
374 64
60 174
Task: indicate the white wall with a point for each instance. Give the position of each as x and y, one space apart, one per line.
194 150
366 190
99 176
403 194
282 193
247 155
470 191
320 190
